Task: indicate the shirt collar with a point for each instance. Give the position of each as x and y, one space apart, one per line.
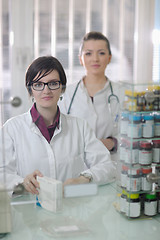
35 115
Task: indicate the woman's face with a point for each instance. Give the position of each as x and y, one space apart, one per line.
47 98
95 56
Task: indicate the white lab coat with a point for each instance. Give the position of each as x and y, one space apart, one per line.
72 145
102 116
98 114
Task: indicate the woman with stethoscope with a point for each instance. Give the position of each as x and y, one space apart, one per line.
94 97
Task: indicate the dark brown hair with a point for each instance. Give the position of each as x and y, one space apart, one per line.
94 36
41 67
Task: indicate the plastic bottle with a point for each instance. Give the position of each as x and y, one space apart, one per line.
145 153
146 185
132 152
150 204
148 125
134 179
135 126
133 206
156 151
157 124
124 173
124 123
123 200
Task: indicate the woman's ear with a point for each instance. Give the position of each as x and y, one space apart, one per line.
110 57
80 60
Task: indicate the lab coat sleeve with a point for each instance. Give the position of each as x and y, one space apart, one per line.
97 158
8 165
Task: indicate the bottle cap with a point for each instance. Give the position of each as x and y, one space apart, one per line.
145 144
150 196
156 141
147 170
157 116
133 195
135 117
148 117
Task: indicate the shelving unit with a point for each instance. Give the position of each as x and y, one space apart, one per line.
139 150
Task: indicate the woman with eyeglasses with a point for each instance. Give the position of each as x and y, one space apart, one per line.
45 142
95 97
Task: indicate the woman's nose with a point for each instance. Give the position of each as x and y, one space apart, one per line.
95 57
46 89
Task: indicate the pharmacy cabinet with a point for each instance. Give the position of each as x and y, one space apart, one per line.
139 150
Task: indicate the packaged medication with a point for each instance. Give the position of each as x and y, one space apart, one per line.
150 204
148 126
50 194
135 126
134 179
145 153
133 205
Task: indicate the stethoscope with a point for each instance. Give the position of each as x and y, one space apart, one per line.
110 97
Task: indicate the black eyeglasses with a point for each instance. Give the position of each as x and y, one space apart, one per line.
52 85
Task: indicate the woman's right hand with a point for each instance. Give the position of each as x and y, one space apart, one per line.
30 182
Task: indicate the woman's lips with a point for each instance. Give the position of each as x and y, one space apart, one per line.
47 98
96 66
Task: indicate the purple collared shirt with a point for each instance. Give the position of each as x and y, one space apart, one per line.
47 132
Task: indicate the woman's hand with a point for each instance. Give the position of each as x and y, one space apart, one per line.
79 180
109 143
30 183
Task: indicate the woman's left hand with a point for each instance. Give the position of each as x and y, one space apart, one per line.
79 180
109 143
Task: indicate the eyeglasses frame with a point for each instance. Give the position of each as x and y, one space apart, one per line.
44 84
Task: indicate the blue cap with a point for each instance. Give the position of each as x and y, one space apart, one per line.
125 114
135 117
157 116
148 117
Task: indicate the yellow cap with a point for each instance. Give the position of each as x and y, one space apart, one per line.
133 195
153 87
130 93
124 192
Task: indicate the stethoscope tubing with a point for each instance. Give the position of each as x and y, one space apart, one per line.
75 91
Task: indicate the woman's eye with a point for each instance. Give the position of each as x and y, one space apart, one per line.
38 84
102 53
53 83
87 53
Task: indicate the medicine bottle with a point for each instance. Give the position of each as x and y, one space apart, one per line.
132 152
146 185
134 179
145 153
148 126
140 101
133 205
158 199
157 124
156 151
150 204
132 100
157 172
123 200
124 123
122 150
135 126
148 104
124 172
156 103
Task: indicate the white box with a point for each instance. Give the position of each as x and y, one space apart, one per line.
80 190
50 194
